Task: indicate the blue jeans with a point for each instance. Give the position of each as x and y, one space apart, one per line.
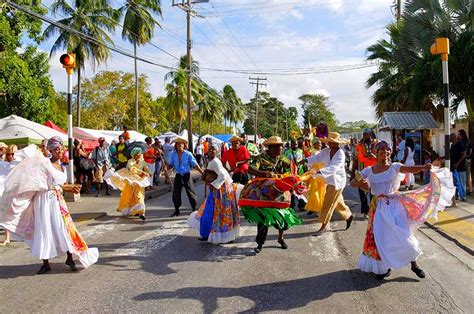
462 181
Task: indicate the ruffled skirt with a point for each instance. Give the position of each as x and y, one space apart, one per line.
280 218
389 241
218 217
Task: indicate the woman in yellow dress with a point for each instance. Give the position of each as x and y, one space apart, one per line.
132 181
316 186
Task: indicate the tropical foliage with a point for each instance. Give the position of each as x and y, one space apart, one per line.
92 17
25 86
317 109
409 77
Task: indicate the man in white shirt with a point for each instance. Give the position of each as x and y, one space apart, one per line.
400 148
334 173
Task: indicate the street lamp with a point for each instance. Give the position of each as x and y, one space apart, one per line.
68 60
441 47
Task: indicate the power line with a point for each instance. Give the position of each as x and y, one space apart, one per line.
308 43
235 38
260 11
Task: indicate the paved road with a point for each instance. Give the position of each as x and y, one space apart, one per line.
159 266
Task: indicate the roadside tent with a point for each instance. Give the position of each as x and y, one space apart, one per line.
223 137
18 130
184 134
213 139
113 135
171 135
89 142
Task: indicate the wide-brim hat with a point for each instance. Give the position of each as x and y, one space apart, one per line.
180 139
334 137
235 138
273 140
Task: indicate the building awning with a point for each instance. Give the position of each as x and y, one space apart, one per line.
410 120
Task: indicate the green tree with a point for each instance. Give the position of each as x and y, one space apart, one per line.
176 90
107 103
272 116
25 87
316 109
139 26
94 18
234 111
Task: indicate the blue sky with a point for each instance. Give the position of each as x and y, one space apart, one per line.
285 34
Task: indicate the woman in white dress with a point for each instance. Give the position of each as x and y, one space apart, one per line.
390 241
409 160
34 210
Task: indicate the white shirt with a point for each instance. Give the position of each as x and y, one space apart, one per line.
222 174
199 149
401 151
334 169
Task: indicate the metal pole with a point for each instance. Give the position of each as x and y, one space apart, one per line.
189 69
447 122
70 172
256 114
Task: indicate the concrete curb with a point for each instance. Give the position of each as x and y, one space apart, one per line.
447 236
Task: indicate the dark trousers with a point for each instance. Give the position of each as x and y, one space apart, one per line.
239 177
365 198
262 232
180 181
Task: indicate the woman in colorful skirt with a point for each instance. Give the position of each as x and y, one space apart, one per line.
34 210
217 221
390 241
132 181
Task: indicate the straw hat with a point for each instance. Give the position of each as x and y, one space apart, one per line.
235 138
180 139
334 137
273 140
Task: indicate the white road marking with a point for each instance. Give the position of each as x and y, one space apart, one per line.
97 230
232 251
154 240
326 247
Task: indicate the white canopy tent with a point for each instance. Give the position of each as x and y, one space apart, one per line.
171 135
113 135
18 130
213 139
184 134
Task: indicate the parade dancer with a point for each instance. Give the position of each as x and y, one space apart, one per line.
267 165
236 160
334 173
183 161
132 181
390 241
33 209
217 221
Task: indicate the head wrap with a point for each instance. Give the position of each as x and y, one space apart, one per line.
382 145
54 143
136 150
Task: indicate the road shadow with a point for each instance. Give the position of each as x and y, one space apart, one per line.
29 270
275 296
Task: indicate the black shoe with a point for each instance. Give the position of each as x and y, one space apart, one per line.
98 195
142 217
419 272
258 249
349 221
283 244
319 233
107 193
176 214
71 265
382 276
310 213
43 269
203 239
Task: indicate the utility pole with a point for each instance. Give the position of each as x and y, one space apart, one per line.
276 126
287 131
186 5
256 81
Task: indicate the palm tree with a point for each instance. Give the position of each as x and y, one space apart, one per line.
94 18
210 106
139 26
234 111
176 90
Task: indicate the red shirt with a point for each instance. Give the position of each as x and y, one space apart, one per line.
150 156
232 158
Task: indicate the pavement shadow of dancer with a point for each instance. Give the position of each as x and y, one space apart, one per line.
275 296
